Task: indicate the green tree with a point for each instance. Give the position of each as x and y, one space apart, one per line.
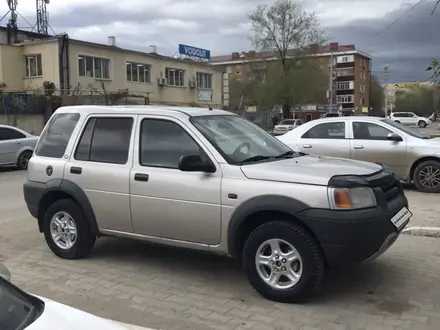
435 69
377 96
421 100
290 32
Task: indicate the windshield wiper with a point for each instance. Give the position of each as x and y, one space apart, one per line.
290 154
255 159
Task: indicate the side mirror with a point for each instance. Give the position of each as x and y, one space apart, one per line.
394 137
194 163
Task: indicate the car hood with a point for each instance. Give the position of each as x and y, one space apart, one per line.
56 314
308 169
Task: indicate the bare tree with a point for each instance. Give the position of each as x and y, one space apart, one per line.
286 29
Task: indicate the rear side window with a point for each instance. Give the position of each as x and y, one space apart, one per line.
326 131
55 138
10 134
105 140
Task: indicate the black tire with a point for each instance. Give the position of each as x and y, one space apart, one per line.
417 176
23 159
422 124
85 240
308 249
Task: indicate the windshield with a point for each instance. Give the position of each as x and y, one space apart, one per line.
238 140
17 309
287 122
406 130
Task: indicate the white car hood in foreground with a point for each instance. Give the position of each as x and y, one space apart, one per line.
57 316
308 169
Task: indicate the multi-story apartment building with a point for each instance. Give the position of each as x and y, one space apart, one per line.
351 75
30 59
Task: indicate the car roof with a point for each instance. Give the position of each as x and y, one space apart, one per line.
173 111
346 118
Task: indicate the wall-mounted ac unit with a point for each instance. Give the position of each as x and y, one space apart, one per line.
162 81
192 84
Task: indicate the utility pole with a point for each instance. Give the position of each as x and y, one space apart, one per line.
385 75
330 86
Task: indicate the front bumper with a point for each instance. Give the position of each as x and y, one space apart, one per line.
352 236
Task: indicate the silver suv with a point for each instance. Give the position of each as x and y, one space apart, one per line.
209 180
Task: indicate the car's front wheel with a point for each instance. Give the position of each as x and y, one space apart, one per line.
66 230
422 124
427 176
283 262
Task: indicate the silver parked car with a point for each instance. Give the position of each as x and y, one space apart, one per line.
212 181
16 146
287 125
413 156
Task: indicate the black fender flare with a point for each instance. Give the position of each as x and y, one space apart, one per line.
70 188
253 205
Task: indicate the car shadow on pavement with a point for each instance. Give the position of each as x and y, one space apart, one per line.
221 274
5 169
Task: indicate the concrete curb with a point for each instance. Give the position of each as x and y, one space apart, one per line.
422 231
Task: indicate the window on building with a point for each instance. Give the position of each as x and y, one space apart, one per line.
137 72
163 143
204 80
344 99
343 85
105 140
345 72
326 131
175 77
344 59
34 66
362 88
93 67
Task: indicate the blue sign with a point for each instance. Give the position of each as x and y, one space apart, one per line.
194 52
334 107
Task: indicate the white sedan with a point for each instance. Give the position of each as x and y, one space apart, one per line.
22 311
16 146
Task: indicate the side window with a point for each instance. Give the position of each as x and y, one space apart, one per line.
55 138
369 131
105 140
326 131
10 134
399 115
163 143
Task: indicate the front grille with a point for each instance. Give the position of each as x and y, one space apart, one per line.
387 182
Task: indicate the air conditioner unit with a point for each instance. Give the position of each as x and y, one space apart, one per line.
192 84
162 81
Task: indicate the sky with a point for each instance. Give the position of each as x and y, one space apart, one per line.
407 47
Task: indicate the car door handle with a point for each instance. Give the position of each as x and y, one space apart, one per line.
307 146
358 147
17 142
141 177
75 170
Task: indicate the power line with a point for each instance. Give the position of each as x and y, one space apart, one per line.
435 7
401 16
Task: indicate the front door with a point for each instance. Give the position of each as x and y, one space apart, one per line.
10 144
370 144
327 139
166 202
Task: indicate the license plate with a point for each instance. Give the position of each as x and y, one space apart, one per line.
401 217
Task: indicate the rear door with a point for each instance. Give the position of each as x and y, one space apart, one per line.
326 139
100 165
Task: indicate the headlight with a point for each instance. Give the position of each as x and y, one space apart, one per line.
351 198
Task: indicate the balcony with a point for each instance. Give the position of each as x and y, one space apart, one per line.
345 99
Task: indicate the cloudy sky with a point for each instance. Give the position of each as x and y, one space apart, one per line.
221 26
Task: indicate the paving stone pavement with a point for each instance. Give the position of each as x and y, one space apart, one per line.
166 288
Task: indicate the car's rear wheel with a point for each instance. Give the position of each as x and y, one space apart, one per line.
422 124
427 176
283 262
66 230
23 159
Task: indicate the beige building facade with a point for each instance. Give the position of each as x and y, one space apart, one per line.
76 66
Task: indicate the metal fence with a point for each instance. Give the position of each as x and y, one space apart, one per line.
21 104
260 118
